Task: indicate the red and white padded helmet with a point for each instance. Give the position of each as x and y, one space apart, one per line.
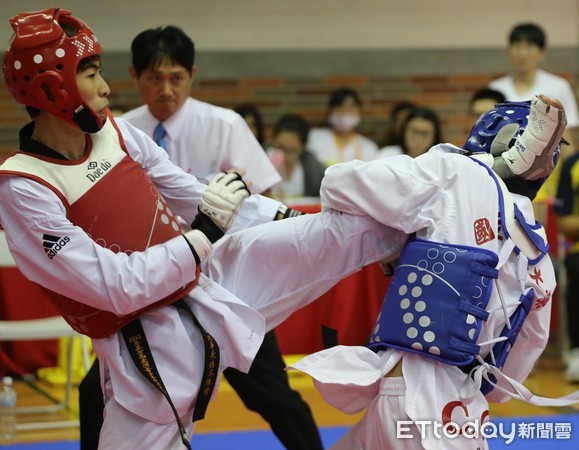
40 65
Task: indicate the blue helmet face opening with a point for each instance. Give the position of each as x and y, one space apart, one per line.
487 127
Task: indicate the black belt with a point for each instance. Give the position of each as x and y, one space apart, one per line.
140 352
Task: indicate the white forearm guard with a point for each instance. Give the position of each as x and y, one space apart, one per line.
535 152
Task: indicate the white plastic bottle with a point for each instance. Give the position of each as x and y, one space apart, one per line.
7 411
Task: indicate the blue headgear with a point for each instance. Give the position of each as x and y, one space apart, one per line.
496 131
510 119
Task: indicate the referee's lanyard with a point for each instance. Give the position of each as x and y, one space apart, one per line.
140 352
342 143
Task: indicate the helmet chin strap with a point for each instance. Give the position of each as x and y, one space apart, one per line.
86 120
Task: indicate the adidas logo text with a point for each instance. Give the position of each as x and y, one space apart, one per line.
53 244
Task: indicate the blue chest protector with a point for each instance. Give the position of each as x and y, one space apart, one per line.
436 303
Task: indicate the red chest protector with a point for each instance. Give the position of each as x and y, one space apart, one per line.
109 196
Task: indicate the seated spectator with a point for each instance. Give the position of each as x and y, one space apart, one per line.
398 116
566 206
252 116
301 171
420 131
484 100
340 142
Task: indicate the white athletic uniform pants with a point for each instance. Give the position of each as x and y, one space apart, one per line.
276 268
377 430
280 267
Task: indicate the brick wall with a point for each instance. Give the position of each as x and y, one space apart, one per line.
295 83
447 95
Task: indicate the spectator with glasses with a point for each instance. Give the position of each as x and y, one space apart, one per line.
420 132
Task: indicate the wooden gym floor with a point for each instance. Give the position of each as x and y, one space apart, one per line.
227 413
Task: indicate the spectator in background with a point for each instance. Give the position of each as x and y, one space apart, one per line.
527 44
340 141
484 100
301 171
420 131
567 210
254 121
398 116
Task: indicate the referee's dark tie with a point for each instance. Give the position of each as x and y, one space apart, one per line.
159 136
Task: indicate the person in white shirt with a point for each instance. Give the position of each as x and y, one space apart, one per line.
340 142
527 50
527 47
203 140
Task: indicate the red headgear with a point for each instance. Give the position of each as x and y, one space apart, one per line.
40 65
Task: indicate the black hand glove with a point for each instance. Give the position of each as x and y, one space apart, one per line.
204 224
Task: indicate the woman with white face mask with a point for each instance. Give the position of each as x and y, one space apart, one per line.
340 142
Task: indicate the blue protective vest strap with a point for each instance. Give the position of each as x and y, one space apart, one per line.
500 351
529 239
538 241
